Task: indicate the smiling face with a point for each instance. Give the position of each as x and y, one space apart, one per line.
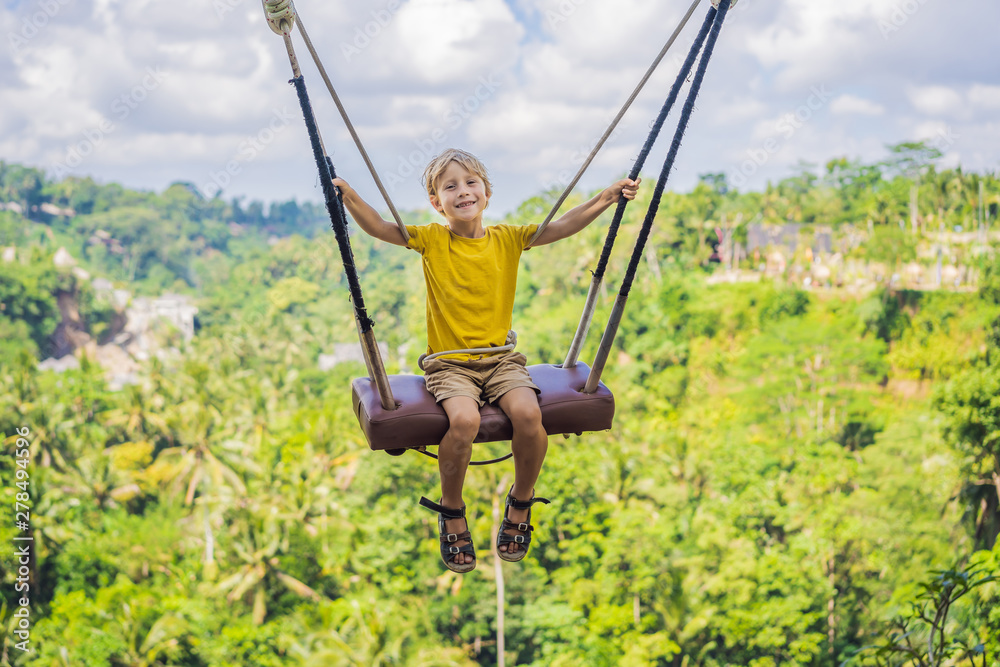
460 195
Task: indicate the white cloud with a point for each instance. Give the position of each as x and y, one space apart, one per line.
558 80
441 41
815 41
985 97
852 104
740 109
936 100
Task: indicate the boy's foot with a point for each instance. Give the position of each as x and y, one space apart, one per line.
514 535
457 527
515 517
457 550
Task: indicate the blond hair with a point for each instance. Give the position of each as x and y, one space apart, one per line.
437 166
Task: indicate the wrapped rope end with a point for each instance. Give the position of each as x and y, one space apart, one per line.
280 15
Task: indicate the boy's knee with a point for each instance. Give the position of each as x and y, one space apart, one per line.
465 425
526 416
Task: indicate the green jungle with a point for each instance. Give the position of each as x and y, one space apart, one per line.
804 467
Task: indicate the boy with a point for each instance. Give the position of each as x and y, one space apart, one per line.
471 273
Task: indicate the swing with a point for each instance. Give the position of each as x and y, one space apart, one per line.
397 413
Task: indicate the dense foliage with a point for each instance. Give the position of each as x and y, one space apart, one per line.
794 474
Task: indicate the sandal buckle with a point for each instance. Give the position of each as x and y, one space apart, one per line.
523 527
451 537
519 539
454 551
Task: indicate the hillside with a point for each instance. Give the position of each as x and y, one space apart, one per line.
805 434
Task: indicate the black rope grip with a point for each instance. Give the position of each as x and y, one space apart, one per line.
334 206
682 76
719 16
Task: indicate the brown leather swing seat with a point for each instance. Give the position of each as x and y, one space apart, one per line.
419 421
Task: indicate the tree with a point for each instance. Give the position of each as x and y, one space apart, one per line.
79 194
135 417
260 539
925 635
970 403
27 295
22 185
910 159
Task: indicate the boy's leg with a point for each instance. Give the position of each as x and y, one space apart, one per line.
528 445
454 455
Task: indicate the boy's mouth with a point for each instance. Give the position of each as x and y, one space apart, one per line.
465 204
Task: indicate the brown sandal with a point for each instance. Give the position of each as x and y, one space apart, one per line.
525 527
448 550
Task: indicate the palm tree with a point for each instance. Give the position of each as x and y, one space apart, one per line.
136 418
205 459
260 537
961 195
205 452
95 475
54 522
303 484
353 634
45 450
159 646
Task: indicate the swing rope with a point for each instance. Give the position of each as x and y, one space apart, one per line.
598 274
614 123
350 128
718 16
338 220
334 207
281 16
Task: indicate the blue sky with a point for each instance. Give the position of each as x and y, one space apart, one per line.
147 92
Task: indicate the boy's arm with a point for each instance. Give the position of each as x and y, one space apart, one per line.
586 213
368 218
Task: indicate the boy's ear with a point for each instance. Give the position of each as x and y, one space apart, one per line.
436 203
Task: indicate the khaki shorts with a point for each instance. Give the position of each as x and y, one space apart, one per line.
488 378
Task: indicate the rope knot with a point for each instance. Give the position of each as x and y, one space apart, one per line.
280 15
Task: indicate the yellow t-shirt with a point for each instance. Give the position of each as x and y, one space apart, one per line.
470 284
